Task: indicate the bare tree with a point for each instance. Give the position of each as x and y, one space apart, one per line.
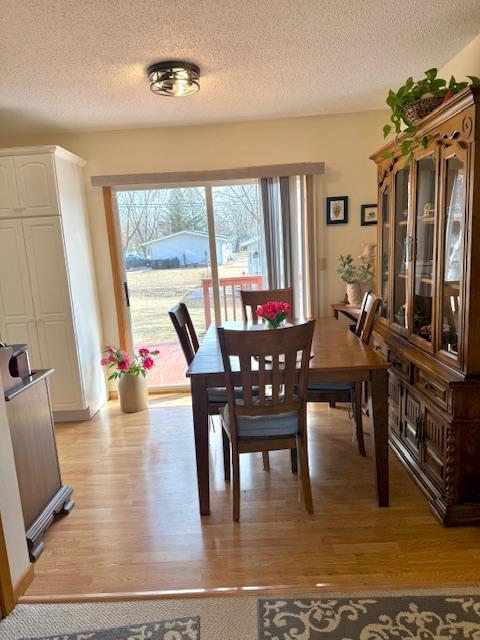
153 213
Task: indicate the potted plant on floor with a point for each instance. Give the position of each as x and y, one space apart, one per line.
354 278
416 99
131 374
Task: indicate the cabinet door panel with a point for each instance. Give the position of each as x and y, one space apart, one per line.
401 249
412 418
17 321
451 263
36 183
384 254
394 403
424 235
51 299
434 434
8 189
58 351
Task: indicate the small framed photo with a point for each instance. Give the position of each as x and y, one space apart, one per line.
337 210
368 214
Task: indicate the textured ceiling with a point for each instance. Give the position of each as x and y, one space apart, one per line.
81 65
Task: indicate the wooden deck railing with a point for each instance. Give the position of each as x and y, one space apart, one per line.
229 288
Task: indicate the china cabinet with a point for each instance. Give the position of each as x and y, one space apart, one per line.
429 324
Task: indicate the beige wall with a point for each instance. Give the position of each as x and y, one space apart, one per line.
465 62
10 506
343 142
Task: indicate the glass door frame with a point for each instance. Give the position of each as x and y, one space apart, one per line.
385 184
400 165
431 150
450 150
119 274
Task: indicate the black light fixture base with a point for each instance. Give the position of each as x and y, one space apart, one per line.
174 78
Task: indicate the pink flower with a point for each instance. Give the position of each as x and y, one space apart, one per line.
103 361
260 311
144 351
148 363
124 355
112 358
110 350
287 307
124 365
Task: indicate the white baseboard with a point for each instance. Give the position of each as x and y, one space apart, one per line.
74 415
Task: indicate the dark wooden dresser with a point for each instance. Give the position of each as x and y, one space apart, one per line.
33 439
429 324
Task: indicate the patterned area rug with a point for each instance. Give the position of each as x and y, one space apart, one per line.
393 618
179 629
442 614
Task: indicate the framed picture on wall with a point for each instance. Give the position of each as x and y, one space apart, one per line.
337 210
368 214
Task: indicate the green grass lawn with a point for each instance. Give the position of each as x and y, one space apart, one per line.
153 292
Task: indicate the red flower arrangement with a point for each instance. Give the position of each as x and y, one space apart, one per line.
139 364
274 313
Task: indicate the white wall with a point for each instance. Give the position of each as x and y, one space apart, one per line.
10 506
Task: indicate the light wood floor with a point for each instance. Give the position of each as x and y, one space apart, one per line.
136 526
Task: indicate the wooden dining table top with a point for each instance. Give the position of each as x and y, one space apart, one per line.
335 349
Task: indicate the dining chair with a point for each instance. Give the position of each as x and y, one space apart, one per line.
333 392
274 417
252 298
187 336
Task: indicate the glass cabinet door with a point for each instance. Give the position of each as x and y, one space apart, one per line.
424 247
453 247
401 249
384 250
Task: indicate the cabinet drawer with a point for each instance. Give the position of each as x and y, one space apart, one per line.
436 391
400 365
378 344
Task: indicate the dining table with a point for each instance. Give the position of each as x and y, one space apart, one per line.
338 355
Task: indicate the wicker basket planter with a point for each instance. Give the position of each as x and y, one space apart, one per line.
421 108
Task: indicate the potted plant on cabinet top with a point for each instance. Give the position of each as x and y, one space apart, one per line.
355 278
131 374
416 99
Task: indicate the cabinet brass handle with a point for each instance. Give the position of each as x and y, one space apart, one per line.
429 386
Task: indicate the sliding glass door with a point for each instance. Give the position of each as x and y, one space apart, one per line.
194 244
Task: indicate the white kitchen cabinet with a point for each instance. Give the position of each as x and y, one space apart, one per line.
48 296
9 206
17 317
36 184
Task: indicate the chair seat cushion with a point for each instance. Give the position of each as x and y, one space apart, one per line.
280 424
331 386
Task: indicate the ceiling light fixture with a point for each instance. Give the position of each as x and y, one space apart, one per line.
174 78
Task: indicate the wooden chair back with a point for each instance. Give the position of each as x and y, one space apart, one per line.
186 333
277 359
366 319
251 300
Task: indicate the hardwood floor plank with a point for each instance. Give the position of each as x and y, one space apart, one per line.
136 525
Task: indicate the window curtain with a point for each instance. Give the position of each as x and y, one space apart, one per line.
291 239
